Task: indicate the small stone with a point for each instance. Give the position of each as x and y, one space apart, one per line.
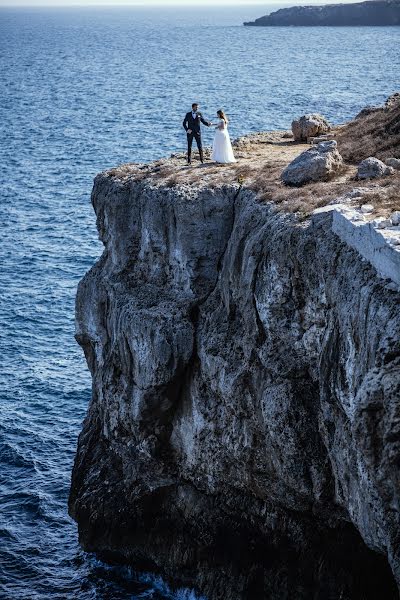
395 217
327 145
381 223
316 140
357 217
394 163
367 208
355 193
372 167
320 138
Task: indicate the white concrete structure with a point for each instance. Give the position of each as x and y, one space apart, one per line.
379 245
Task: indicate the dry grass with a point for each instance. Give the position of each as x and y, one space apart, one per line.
172 181
386 197
375 134
163 172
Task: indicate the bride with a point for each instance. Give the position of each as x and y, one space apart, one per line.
222 149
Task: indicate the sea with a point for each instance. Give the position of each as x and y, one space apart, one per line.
82 90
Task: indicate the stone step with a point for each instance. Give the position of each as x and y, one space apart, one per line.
320 138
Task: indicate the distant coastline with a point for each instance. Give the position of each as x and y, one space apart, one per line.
371 12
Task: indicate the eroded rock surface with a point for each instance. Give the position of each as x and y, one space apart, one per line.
244 430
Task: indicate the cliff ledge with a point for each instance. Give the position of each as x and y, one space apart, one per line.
243 435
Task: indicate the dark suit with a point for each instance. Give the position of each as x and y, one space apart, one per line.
194 125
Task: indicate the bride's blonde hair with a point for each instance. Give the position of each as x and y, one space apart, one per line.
222 115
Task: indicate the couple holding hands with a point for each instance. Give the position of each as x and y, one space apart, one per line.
222 149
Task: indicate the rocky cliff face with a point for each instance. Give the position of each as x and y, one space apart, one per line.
244 430
372 12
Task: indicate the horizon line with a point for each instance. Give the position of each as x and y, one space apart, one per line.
198 3
144 5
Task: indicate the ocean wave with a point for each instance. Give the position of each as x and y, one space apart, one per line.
14 457
29 503
161 586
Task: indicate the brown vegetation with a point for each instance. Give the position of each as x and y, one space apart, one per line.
372 133
386 197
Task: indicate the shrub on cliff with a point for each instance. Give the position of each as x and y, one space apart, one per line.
372 133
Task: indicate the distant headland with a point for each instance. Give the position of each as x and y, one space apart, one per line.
372 12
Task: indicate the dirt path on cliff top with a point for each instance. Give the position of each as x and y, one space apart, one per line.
261 159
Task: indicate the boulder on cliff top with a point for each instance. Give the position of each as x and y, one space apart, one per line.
309 126
371 168
319 163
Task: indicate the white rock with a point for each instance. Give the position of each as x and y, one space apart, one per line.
319 163
367 208
334 205
357 217
395 241
395 217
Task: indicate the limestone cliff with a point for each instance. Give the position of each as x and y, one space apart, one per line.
371 12
244 430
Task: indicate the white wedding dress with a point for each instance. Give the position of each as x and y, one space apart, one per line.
222 148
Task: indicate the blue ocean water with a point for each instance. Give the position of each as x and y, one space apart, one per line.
82 90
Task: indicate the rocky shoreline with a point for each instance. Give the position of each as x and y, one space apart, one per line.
243 433
371 12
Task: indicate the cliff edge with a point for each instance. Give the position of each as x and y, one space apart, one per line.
371 12
243 435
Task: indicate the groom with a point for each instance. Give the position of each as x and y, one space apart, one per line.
191 123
